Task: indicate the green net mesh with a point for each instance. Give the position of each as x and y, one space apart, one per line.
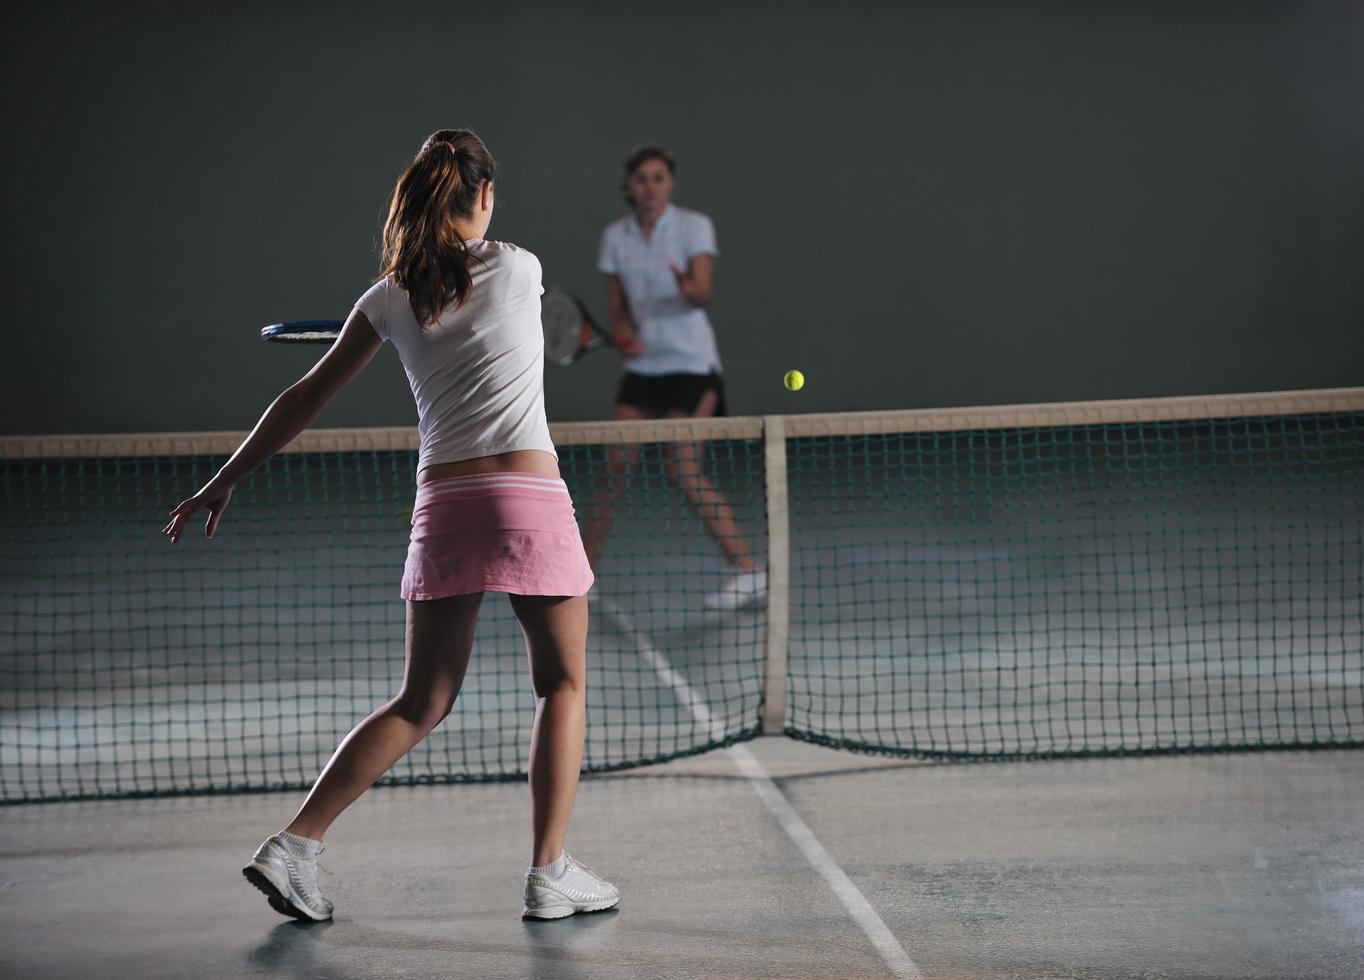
982 590
1079 589
132 667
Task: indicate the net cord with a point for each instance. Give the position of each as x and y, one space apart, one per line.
404 438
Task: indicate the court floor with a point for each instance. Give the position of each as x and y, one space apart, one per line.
1233 865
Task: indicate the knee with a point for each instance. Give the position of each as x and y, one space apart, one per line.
423 710
559 683
687 480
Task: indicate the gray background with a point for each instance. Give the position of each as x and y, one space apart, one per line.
919 204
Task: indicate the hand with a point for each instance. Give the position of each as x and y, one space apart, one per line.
210 498
629 346
685 283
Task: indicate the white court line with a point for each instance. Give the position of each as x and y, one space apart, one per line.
858 908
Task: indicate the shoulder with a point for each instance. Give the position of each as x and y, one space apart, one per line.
513 254
504 255
521 265
694 219
378 293
376 302
504 251
696 231
617 228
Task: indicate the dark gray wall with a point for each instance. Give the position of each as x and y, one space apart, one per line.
918 204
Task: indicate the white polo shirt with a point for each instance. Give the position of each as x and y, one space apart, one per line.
678 337
478 372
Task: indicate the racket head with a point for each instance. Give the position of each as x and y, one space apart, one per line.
302 332
564 323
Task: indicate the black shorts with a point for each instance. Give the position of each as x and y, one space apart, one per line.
664 393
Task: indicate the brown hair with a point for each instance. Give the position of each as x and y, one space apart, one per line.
423 252
638 157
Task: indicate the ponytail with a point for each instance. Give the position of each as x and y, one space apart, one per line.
423 252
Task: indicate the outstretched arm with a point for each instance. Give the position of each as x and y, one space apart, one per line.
289 414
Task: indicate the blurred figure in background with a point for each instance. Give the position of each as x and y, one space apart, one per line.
659 263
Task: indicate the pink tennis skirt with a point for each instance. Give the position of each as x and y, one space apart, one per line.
495 532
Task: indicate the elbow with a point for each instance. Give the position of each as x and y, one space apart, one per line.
302 401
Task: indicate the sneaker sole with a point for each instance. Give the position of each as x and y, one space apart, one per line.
564 911
278 900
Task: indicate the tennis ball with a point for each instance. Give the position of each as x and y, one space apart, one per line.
794 380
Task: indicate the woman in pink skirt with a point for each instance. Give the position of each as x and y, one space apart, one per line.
491 514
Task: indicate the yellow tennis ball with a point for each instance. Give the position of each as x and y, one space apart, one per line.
794 380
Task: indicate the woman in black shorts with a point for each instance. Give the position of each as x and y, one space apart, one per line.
659 266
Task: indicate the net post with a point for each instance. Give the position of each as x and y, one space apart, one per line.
778 576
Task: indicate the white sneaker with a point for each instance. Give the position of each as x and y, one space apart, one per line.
576 890
740 589
288 881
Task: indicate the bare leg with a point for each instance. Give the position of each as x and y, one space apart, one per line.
440 636
556 641
684 469
620 461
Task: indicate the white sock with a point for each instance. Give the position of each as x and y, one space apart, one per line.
301 846
555 868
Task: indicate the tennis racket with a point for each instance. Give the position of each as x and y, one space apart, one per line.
570 331
302 332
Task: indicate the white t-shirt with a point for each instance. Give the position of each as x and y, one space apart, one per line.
678 337
478 372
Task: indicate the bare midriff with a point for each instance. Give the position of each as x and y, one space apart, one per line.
518 461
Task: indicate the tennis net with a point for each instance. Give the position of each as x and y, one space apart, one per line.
1163 575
